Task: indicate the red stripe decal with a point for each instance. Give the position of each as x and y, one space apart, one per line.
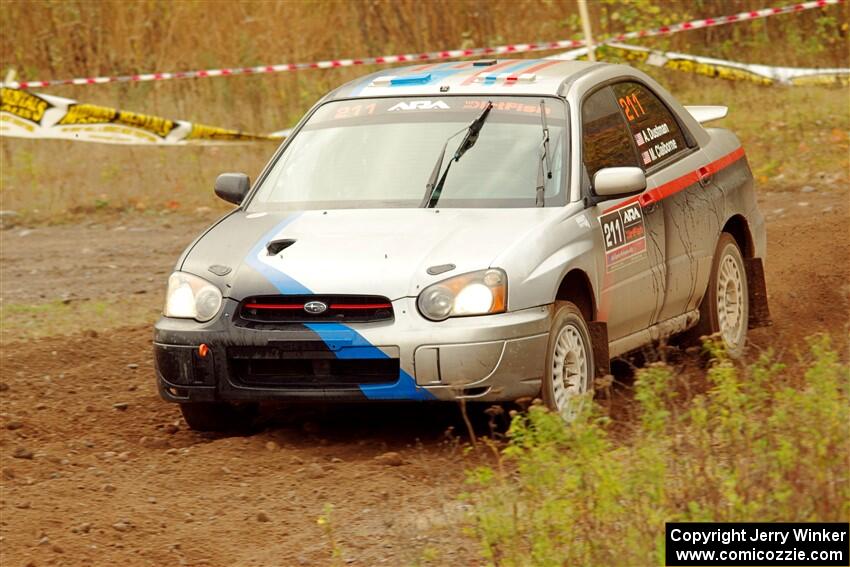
535 68
672 187
269 306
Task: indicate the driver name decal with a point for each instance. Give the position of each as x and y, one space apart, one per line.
624 236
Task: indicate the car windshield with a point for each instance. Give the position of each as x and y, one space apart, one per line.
380 153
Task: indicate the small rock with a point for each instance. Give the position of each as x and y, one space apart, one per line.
23 505
390 459
132 388
90 333
263 517
272 446
121 526
807 189
296 460
3 386
121 406
315 470
153 442
108 488
57 548
83 528
132 366
337 460
13 425
22 453
803 204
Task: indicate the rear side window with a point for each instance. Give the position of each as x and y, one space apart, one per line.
606 140
655 130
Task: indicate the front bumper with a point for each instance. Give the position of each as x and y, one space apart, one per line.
488 358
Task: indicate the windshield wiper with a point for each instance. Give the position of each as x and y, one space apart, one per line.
544 171
433 188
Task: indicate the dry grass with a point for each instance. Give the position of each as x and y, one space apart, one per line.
55 180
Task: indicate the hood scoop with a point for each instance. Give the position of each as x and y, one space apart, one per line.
275 247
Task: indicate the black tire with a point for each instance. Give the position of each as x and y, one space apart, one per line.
568 324
732 324
217 416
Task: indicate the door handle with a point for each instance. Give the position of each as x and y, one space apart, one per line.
704 176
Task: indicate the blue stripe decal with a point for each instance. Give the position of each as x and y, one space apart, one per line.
342 340
520 66
512 69
347 343
285 284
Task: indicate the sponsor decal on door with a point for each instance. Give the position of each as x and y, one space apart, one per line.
624 236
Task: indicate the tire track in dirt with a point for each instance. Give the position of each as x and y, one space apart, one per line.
107 473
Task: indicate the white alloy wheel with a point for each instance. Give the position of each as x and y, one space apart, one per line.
569 370
725 308
569 362
730 301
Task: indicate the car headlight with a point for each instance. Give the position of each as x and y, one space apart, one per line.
475 293
191 297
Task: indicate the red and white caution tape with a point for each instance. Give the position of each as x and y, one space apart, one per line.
431 55
719 68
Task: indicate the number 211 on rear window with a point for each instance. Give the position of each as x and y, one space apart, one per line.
631 106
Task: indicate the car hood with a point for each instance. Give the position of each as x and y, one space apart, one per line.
367 251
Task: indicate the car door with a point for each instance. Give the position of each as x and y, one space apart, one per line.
678 186
631 255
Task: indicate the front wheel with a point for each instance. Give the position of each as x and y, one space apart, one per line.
217 416
569 362
725 309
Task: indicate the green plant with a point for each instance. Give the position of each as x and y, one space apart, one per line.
765 442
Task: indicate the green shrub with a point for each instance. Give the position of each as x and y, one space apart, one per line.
767 442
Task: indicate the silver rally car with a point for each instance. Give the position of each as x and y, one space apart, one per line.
483 230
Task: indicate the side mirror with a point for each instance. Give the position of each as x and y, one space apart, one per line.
232 187
619 181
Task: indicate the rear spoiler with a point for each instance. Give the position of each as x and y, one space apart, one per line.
703 114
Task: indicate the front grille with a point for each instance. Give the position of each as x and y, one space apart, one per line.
297 309
273 367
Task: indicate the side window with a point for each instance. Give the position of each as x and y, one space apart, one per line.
606 140
656 132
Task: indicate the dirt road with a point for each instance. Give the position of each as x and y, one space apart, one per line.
96 470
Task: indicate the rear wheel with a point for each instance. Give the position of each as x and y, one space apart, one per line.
725 309
569 362
217 416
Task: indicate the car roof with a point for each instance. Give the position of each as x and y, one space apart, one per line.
493 76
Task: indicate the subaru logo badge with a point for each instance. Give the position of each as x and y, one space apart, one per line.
315 307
